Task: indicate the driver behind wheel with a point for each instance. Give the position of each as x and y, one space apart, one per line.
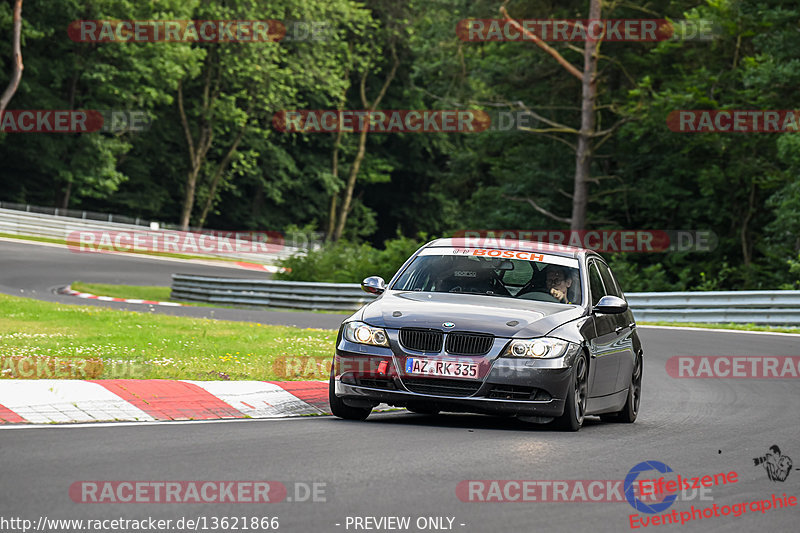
558 282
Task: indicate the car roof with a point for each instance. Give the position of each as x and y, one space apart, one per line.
512 244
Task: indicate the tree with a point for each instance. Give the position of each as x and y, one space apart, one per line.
369 52
16 74
67 170
587 132
240 85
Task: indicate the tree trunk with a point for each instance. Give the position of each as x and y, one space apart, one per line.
67 194
16 74
746 256
351 184
188 197
335 171
197 153
583 155
218 174
362 144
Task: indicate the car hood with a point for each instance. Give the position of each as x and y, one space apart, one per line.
502 317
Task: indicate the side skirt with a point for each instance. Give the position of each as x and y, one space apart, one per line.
606 404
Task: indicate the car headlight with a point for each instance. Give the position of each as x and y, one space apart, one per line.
365 334
542 348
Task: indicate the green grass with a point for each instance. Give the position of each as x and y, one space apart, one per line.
741 327
160 294
43 339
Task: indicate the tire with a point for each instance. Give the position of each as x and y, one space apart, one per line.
575 404
631 408
338 407
422 409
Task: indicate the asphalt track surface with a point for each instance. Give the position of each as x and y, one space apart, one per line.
401 464
39 270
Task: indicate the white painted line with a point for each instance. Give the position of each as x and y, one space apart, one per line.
156 423
686 328
257 399
69 291
58 400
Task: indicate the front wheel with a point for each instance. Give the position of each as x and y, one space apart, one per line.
575 404
338 407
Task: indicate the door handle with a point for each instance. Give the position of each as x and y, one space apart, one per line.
632 325
618 329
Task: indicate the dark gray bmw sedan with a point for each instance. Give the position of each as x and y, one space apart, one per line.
530 329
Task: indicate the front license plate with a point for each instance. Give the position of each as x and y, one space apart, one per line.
441 367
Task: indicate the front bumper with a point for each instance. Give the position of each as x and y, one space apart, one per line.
367 375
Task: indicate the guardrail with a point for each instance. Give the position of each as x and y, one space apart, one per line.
757 307
739 307
59 227
269 293
78 213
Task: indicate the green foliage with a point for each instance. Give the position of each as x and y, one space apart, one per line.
743 187
349 262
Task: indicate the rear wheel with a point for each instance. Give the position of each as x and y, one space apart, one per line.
338 407
575 404
631 409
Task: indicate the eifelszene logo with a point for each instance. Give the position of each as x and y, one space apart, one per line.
630 495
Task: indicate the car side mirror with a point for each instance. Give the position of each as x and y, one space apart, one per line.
611 305
373 285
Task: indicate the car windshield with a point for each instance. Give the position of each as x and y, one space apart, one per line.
546 278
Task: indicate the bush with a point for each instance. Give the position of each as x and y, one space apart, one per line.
348 262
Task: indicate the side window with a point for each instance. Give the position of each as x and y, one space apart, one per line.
595 284
608 280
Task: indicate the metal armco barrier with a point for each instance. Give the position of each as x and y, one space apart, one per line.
741 307
23 223
757 307
269 293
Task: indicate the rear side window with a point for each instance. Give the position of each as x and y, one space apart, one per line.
595 283
610 283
